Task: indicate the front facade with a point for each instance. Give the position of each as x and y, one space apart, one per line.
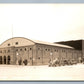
22 51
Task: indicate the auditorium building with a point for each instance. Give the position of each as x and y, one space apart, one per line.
23 51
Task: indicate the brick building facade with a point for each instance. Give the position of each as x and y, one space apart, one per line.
23 51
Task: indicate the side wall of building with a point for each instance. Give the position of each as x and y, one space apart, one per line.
83 48
26 53
45 53
38 54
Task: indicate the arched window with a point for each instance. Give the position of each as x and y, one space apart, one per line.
30 48
16 43
25 49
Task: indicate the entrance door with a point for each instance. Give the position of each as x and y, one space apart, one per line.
4 59
0 59
8 60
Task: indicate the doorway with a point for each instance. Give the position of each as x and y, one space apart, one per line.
0 59
8 60
4 59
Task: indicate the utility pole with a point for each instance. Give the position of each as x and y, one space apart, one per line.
12 34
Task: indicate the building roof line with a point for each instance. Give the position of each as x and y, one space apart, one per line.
41 42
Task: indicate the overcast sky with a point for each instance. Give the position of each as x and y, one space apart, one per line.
45 22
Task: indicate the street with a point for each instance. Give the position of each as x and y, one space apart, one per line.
66 73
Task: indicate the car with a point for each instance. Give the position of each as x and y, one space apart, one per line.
54 63
73 62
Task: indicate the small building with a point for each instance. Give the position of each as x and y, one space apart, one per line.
23 51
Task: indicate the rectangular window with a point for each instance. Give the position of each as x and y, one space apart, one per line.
16 49
20 49
0 51
8 50
55 50
4 51
30 58
38 57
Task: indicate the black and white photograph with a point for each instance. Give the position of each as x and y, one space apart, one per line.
41 42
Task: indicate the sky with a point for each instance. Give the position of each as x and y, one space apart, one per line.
44 22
